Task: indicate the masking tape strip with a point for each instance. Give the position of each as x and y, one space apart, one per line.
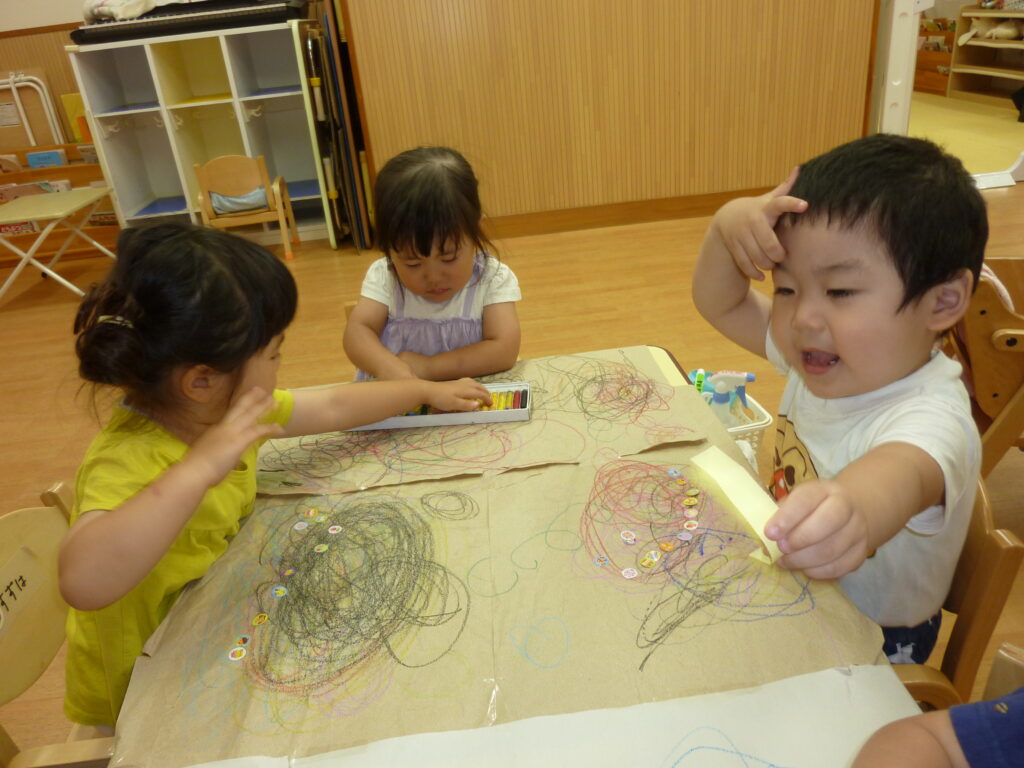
743 492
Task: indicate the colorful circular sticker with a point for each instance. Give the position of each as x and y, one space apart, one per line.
259 618
301 525
242 640
320 548
690 512
693 491
288 572
236 654
312 512
674 472
666 546
691 525
684 536
334 529
650 559
279 591
630 573
689 501
628 536
681 481
601 560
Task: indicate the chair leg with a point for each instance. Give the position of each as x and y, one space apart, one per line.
291 215
283 224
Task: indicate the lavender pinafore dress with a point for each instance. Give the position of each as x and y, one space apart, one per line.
427 336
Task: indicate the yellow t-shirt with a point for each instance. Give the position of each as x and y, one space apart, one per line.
129 454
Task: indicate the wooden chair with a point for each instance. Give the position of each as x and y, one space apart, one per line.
1007 673
32 629
237 175
981 583
990 345
58 495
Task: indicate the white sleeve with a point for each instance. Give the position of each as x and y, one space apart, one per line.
501 283
379 283
772 353
950 437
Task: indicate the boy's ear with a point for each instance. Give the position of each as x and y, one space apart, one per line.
950 301
200 383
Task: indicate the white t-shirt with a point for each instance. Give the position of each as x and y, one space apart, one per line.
906 581
498 284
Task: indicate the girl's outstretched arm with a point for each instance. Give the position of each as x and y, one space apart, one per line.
362 342
108 552
353 405
497 351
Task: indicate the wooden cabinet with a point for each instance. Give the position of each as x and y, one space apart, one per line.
986 70
158 106
934 56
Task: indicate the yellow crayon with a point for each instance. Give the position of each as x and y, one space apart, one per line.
506 400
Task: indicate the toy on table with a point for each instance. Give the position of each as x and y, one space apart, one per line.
510 401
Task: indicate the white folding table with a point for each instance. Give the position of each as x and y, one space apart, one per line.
54 208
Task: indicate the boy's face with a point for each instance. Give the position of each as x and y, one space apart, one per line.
834 312
440 275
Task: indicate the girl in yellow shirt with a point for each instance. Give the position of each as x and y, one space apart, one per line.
188 325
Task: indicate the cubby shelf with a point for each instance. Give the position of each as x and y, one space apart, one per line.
159 106
986 70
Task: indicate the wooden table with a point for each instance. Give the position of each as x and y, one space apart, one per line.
408 582
54 208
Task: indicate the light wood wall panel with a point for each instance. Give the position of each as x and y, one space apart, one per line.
570 103
41 54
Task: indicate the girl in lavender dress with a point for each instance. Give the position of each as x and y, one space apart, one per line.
437 306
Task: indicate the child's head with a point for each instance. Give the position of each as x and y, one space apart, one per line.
917 200
882 261
428 220
180 296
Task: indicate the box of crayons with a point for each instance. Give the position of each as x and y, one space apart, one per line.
510 401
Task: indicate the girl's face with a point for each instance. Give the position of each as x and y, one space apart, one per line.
440 275
261 369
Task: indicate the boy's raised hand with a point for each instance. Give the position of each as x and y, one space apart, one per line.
820 531
746 227
460 395
217 451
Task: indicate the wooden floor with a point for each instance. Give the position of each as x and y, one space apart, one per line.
987 138
583 290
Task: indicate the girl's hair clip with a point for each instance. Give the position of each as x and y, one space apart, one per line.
115 319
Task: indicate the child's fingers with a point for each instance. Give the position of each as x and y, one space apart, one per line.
250 406
794 509
785 186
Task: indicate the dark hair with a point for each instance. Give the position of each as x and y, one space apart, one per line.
920 201
425 194
180 295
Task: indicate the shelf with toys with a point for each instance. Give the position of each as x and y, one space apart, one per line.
988 58
54 168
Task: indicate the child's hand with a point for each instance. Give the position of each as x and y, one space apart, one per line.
747 228
219 448
461 395
820 530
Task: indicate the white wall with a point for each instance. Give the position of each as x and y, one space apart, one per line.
25 14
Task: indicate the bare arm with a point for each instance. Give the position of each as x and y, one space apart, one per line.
828 527
108 552
922 741
497 351
363 346
739 244
352 405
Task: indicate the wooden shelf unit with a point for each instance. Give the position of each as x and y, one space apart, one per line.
986 71
158 106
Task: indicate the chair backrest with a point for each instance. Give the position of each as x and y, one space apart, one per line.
983 579
990 344
32 612
233 175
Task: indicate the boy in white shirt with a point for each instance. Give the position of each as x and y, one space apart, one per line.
874 250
